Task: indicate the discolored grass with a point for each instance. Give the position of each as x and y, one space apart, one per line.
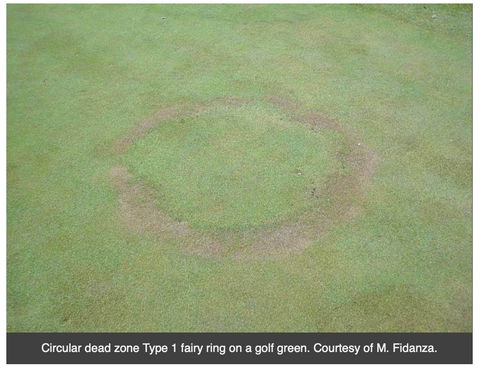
211 155
235 168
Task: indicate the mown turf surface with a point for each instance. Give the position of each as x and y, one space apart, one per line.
234 168
80 78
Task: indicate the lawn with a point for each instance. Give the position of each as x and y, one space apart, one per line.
242 168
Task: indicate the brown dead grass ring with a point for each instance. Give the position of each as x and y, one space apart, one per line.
138 202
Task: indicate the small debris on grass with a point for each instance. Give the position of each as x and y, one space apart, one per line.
164 18
434 16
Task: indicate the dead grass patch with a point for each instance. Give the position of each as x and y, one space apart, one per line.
138 204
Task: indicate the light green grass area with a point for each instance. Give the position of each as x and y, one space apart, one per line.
235 168
81 77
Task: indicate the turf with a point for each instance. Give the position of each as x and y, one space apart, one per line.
233 168
81 77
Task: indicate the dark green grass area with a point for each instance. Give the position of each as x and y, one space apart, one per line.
81 77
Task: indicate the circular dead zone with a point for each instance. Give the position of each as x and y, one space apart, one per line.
235 168
240 178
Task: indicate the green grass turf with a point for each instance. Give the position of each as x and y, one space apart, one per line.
234 168
81 77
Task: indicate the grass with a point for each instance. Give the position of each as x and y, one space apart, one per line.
232 168
80 77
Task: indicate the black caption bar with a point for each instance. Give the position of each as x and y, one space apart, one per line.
239 348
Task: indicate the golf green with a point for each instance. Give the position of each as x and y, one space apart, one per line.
221 168
234 168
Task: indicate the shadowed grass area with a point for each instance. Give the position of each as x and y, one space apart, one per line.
80 77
